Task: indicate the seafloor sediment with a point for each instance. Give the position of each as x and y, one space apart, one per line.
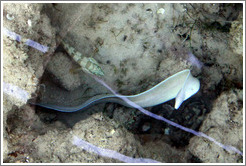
137 46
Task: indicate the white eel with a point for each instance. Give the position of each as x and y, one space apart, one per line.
180 86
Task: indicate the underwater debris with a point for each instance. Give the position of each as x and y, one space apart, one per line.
15 91
109 153
194 61
28 42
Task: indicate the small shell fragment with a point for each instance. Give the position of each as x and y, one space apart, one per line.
10 17
29 22
167 131
112 132
161 11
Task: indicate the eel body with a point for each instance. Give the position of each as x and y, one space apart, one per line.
180 86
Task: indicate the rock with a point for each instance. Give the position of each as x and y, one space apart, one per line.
61 66
236 32
58 144
225 124
23 65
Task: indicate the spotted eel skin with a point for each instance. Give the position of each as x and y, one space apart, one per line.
88 64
